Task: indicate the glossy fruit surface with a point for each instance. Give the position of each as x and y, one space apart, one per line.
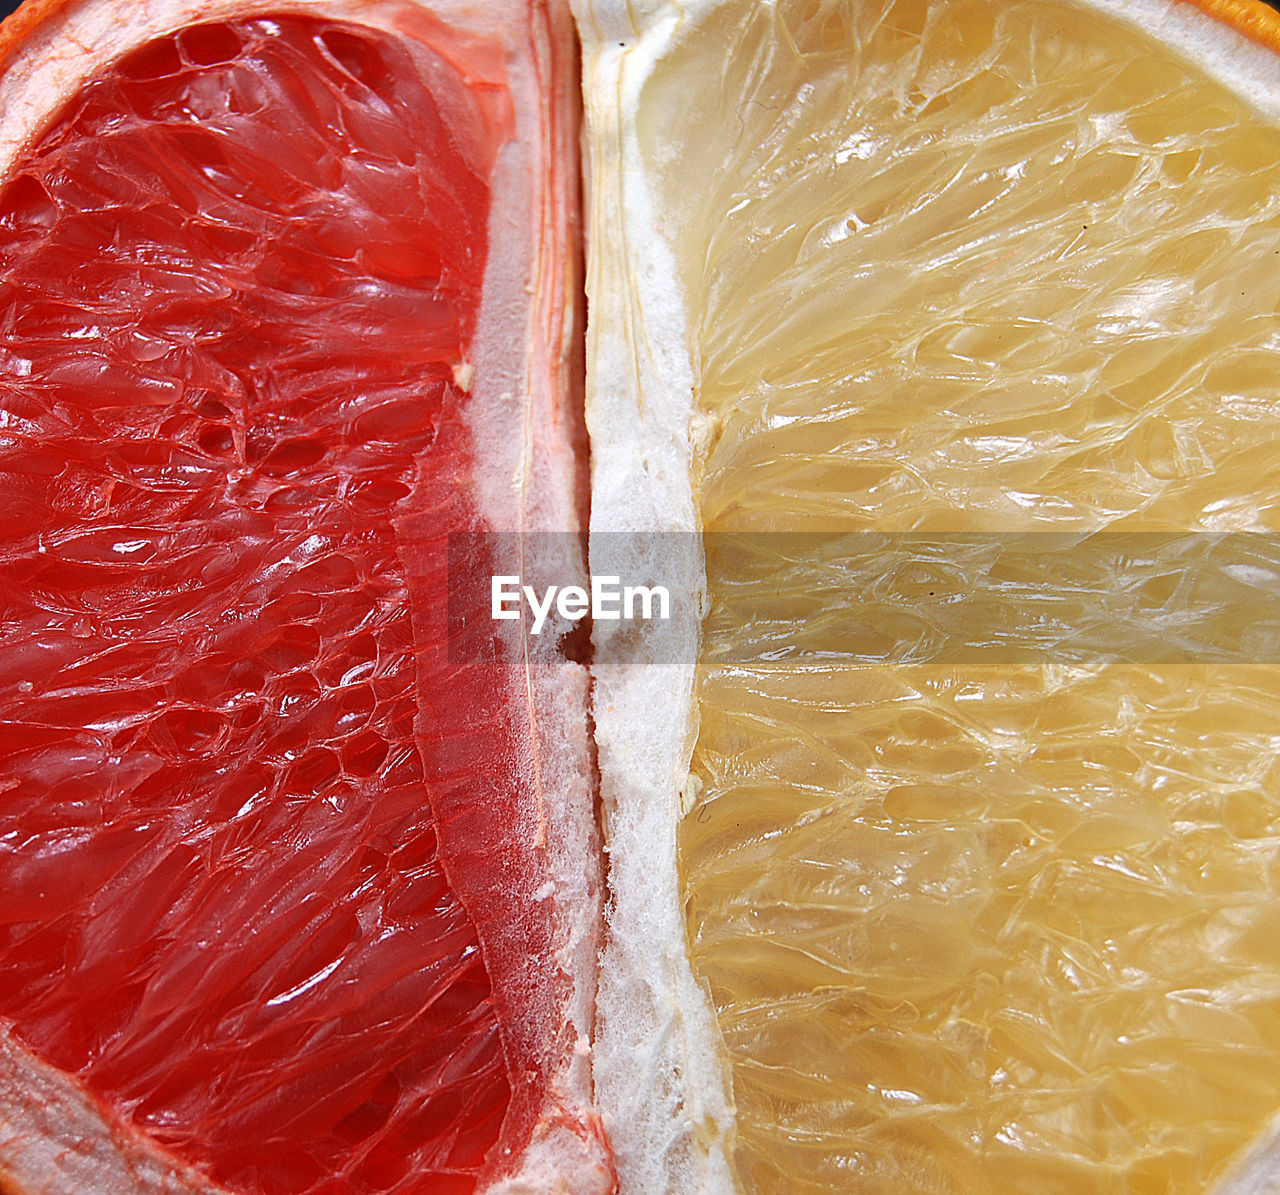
979 912
264 836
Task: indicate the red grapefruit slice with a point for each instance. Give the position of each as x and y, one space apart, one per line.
293 896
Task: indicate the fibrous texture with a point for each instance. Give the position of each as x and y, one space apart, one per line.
983 268
253 813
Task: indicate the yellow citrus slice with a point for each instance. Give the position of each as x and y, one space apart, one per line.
971 919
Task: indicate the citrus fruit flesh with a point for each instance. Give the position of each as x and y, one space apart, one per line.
974 268
239 281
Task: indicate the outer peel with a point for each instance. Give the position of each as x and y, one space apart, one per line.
53 1134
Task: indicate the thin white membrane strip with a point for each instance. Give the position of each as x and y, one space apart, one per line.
661 1077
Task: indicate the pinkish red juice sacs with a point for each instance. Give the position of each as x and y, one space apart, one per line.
238 276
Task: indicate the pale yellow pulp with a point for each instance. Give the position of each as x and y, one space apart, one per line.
975 926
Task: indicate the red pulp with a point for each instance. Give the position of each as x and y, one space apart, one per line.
239 275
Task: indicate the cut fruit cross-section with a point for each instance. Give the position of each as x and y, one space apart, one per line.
944 861
975 913
296 896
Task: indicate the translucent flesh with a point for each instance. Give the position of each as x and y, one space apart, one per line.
237 278
974 267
